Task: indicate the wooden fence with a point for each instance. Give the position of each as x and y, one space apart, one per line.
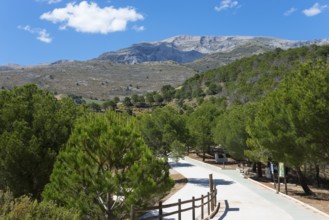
208 201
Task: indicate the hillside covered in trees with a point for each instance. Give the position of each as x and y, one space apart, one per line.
250 78
84 162
266 108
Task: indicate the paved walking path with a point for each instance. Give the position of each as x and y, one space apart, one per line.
241 198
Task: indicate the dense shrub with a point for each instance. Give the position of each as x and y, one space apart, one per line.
26 208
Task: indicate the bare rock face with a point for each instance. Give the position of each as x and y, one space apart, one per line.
186 49
150 52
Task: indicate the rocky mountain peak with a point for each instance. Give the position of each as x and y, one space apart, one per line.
187 48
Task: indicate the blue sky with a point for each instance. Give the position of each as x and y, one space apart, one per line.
43 31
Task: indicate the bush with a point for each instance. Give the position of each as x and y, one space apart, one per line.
26 208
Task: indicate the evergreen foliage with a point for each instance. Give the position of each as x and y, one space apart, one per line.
250 78
95 107
168 92
34 126
230 131
26 208
105 168
127 102
158 98
116 99
201 123
149 98
109 105
272 106
165 131
281 99
291 123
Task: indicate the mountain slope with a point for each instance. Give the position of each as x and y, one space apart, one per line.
250 78
184 48
148 52
216 60
98 79
9 67
103 78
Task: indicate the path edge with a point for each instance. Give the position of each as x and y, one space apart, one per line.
269 188
291 198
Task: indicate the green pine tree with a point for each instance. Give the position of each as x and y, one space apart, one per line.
34 126
105 168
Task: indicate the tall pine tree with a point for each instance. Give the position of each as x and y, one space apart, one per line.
105 168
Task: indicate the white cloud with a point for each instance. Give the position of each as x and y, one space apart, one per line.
50 1
290 11
54 1
226 4
315 10
43 35
90 18
138 28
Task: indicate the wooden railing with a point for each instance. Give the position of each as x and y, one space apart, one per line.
208 201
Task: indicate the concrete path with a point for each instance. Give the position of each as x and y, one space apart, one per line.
241 198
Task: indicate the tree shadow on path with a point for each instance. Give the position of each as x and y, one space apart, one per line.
204 182
174 165
228 209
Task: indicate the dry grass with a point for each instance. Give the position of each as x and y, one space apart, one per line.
99 79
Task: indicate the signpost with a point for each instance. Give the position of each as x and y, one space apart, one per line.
281 169
282 174
272 168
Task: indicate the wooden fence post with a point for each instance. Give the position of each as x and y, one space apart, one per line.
160 210
208 203
202 208
132 212
211 199
179 210
210 182
193 208
211 186
215 195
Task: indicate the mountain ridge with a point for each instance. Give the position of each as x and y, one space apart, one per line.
105 78
188 48
184 49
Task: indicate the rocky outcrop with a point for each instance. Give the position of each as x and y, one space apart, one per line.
186 49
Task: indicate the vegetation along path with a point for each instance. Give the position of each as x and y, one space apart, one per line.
240 198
